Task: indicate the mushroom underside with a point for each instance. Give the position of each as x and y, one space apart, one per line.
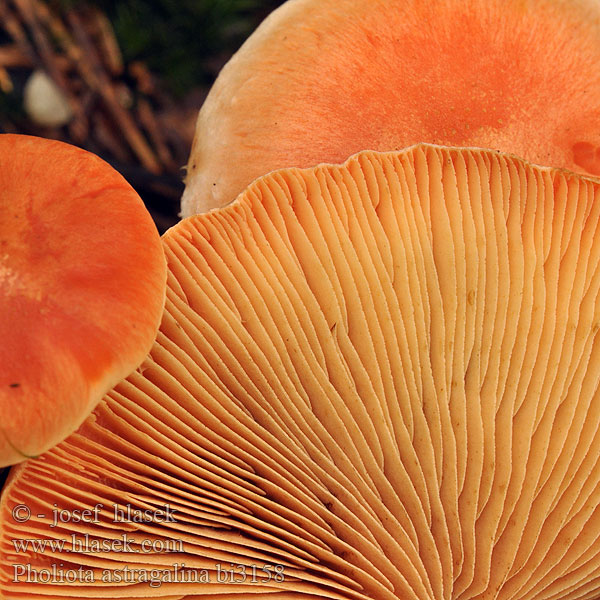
373 380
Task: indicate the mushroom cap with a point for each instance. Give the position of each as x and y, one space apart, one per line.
320 80
376 380
82 288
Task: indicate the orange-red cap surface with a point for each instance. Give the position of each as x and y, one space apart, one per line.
322 79
82 276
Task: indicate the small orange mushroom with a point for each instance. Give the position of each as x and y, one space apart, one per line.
320 80
82 287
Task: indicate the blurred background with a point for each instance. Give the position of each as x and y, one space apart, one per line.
123 79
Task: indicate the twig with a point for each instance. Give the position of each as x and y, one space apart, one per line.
97 80
13 26
6 84
28 13
13 56
146 116
111 53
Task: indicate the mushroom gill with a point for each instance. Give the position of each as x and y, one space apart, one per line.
376 380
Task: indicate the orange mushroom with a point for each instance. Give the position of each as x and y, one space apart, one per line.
82 286
372 381
320 80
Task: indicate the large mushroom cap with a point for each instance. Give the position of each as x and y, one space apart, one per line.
82 280
323 79
378 380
